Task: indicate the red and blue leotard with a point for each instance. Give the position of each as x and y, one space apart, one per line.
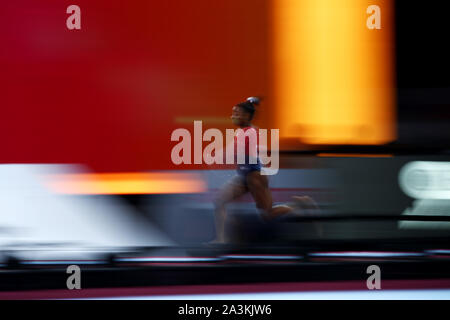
251 150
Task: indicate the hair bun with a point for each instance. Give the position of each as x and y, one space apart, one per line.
254 100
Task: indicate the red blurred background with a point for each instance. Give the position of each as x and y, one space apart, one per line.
109 95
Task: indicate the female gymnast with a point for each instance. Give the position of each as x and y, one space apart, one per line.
250 179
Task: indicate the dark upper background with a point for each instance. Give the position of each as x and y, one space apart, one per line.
423 73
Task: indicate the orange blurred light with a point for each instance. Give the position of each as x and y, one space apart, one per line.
126 183
354 155
333 76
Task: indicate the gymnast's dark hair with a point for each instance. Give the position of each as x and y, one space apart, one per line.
249 105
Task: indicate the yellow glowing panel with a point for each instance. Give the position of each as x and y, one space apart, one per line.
334 78
126 183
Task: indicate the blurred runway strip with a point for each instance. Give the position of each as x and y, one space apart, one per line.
391 289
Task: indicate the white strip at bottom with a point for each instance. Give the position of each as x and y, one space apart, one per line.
426 294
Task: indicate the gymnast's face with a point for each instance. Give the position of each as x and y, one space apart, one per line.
240 117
